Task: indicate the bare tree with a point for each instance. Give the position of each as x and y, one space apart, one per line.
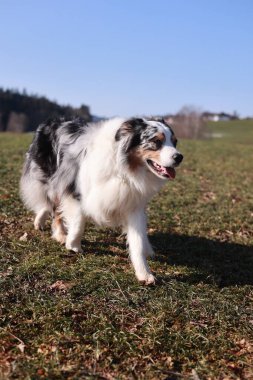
17 122
188 123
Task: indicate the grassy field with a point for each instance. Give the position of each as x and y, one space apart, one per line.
236 131
73 316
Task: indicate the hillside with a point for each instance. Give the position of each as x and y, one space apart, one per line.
20 112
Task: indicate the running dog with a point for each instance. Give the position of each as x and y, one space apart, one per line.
103 171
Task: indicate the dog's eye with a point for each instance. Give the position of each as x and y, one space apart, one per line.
158 143
175 142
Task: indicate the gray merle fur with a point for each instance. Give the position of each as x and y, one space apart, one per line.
50 156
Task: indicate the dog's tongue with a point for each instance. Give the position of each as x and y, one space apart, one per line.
170 172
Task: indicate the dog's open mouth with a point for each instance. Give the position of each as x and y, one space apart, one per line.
161 171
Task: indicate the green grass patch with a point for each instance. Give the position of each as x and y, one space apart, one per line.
73 316
235 131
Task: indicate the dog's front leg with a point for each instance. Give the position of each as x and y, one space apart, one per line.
139 246
75 221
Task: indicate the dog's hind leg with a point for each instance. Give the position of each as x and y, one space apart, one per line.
58 229
139 246
34 195
40 218
75 221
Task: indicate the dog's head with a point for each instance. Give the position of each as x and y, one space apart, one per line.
151 143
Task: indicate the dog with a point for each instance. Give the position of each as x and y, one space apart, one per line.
106 172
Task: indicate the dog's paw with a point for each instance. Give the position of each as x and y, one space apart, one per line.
74 247
59 236
40 219
147 279
38 225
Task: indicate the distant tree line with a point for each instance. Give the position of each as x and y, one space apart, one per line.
20 112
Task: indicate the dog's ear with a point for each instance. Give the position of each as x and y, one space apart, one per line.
129 133
161 120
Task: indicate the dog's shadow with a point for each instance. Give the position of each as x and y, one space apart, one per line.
222 263
209 261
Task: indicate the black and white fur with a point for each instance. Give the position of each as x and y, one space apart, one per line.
106 172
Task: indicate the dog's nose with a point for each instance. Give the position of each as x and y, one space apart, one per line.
178 157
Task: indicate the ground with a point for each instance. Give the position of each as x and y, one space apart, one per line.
84 316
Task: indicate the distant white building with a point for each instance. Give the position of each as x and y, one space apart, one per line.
210 116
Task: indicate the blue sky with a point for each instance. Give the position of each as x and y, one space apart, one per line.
131 57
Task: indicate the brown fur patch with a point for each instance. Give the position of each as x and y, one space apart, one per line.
137 157
159 136
153 155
